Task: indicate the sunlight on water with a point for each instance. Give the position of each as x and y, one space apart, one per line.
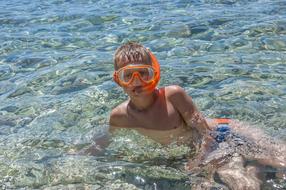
56 88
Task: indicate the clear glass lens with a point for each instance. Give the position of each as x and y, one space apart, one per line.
146 74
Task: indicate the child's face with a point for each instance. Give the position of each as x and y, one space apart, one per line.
137 78
134 78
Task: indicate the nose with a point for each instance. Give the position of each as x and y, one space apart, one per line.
136 81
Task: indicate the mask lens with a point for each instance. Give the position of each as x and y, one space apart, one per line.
145 73
126 75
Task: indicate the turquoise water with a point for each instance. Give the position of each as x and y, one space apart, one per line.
56 90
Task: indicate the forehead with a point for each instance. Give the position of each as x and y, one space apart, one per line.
122 64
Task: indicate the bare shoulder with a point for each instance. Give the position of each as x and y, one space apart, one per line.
180 99
118 116
174 92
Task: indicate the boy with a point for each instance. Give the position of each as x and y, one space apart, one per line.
167 114
157 113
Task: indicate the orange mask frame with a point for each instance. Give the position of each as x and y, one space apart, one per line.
147 86
139 68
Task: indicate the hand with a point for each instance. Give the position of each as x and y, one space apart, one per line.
203 150
193 165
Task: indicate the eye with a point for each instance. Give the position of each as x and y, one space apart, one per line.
128 75
144 73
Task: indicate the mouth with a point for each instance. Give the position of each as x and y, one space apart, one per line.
137 90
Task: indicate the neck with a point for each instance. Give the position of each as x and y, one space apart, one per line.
144 102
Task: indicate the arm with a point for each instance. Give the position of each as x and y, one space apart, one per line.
189 112
118 118
98 146
103 141
193 118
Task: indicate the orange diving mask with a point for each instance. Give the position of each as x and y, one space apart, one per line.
148 75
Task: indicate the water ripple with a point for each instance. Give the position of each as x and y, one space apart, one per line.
56 89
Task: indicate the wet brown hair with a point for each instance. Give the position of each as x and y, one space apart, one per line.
131 52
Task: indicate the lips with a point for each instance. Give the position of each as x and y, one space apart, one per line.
137 90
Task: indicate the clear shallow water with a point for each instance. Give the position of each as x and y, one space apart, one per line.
56 90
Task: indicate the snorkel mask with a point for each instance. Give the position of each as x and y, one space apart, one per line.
148 75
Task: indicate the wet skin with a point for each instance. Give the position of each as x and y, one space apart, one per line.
168 115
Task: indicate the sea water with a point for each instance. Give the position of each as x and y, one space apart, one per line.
56 88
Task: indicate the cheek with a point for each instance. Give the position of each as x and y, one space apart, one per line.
127 90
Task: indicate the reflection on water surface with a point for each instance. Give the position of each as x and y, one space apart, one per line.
56 90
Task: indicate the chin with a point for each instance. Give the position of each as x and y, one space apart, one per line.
138 92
